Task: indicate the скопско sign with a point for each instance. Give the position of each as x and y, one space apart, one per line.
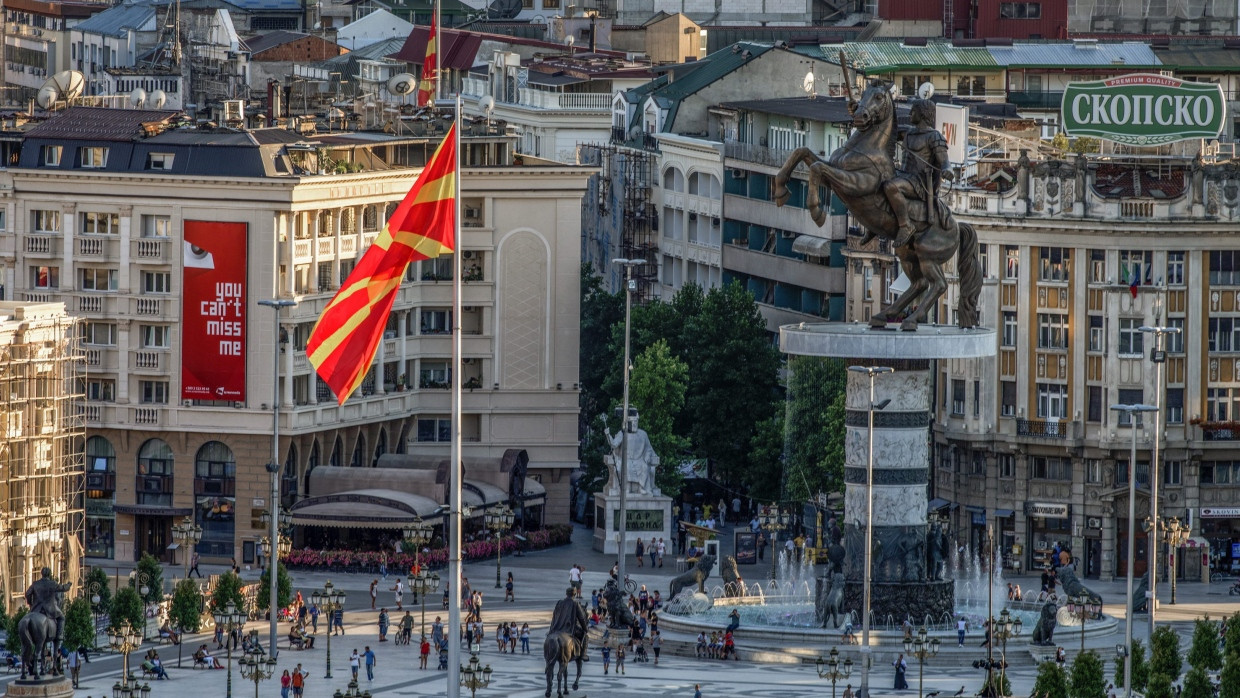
1143 109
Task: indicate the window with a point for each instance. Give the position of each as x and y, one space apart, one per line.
1174 342
1010 329
1093 471
1020 10
1121 473
1007 465
1054 263
1097 266
1130 337
99 333
957 397
1052 331
159 161
982 258
436 321
51 155
45 277
1051 469
1093 410
1009 399
1097 333
1011 256
1221 472
153 392
551 4
101 389
977 398
325 276
155 336
346 268
94 157
867 281
1175 268
1130 396
99 279
100 456
434 429
1225 268
101 223
527 4
156 226
1052 401
1222 404
1135 264
1172 472
433 374
1175 405
1224 334
156 282
45 221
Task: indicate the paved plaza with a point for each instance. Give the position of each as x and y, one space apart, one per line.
540 581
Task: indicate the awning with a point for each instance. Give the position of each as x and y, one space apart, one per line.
152 510
1003 513
936 504
364 509
812 245
534 493
486 493
975 510
458 49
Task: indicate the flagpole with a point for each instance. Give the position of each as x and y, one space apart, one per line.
437 26
456 501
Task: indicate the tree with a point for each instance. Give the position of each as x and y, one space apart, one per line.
12 641
227 590
1204 651
127 607
1140 668
1165 657
999 678
766 459
284 588
1231 640
1160 686
657 390
98 584
1229 680
600 311
79 624
1086 680
1051 682
1197 684
185 612
151 574
816 426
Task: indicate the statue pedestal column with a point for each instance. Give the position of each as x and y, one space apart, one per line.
650 516
60 687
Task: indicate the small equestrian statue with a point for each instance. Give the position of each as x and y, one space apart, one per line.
902 206
44 623
566 642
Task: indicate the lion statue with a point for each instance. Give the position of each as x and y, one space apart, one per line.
697 575
1045 629
733 585
617 609
1073 587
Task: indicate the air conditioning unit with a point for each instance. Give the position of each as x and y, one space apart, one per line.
693 216
787 234
238 404
472 212
739 174
714 222
469 362
187 403
1093 522
468 254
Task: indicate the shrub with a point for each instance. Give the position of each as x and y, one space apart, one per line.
79 625
1051 682
1165 655
1204 653
1087 680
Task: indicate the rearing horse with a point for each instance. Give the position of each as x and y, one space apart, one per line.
856 172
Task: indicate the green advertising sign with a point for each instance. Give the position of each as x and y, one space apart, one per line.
1143 109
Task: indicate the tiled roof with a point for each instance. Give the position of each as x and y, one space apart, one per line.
117 20
99 124
876 57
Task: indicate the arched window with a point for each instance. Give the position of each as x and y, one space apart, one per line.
215 505
380 447
288 479
359 452
155 473
311 463
100 456
337 453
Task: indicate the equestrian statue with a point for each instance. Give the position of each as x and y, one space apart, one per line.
899 205
44 623
566 642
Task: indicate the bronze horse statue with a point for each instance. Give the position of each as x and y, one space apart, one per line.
35 631
856 172
566 642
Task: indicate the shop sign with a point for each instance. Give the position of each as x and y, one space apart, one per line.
1220 512
1047 511
1143 109
100 508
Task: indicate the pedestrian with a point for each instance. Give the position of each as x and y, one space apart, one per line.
399 590
374 593
314 616
478 606
574 579
619 659
525 638
339 614
654 552
355 663
406 628
961 625
656 643
437 631
369 655
697 690
445 597
606 658
1060 657
75 666
848 692
901 666
383 565
383 625
193 565
662 549
761 545
508 596
640 550
424 649
298 681
286 682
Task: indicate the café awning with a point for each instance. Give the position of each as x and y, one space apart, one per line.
365 509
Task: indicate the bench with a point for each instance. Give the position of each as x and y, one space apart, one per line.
681 565
200 663
149 672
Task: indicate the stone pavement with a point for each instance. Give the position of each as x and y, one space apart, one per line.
541 578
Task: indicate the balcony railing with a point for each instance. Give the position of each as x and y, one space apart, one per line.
1040 428
760 154
1220 431
1035 100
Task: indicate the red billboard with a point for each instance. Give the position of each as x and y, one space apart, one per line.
213 311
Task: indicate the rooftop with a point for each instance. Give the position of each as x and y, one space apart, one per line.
100 124
119 20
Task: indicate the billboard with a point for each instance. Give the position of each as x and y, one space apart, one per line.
1143 109
953 123
213 311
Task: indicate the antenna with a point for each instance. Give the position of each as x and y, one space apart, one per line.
926 90
65 85
137 98
47 96
401 84
488 105
808 85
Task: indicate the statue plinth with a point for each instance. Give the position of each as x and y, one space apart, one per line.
650 516
59 687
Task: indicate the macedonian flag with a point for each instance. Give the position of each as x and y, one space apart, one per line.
344 341
426 88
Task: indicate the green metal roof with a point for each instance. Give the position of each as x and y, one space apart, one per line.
1213 56
879 57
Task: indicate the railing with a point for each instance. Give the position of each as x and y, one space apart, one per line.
90 246
145 415
1219 432
585 101
94 357
348 245
37 297
1040 428
760 154
1136 209
92 413
1036 100
150 249
149 306
301 249
146 359
618 134
327 247
39 244
90 304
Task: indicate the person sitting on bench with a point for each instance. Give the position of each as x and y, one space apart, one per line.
165 631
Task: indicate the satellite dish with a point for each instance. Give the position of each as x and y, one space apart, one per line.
157 99
808 84
926 91
539 19
47 96
402 84
69 83
137 98
569 40
488 105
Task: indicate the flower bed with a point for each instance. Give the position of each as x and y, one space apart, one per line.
358 561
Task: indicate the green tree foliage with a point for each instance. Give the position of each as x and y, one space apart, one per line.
151 574
12 641
815 434
999 679
1160 687
1231 640
1229 680
657 390
98 584
127 607
594 449
766 455
1165 657
1197 684
186 610
79 624
600 311
1204 651
1086 680
1051 681
227 589
1140 668
284 588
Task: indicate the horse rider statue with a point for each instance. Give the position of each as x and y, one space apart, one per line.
569 617
922 173
43 596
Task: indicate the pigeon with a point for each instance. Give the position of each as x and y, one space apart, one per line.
932 694
959 693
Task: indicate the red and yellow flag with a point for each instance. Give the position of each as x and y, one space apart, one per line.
347 335
426 87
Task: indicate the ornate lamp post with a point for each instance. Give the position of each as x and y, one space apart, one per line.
230 619
124 638
418 533
1082 608
1158 356
474 676
833 669
773 520
1176 532
351 692
187 534
1131 411
329 599
255 668
1007 627
424 584
144 588
134 691
922 650
498 519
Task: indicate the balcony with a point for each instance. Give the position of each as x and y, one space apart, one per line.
1036 100
37 297
91 247
302 250
327 247
148 360
43 244
149 306
759 154
1220 431
145 415
1043 429
151 250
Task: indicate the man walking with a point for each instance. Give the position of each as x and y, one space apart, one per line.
370 663
193 565
75 666
355 663
574 579
298 681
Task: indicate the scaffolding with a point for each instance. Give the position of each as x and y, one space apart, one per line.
626 184
42 441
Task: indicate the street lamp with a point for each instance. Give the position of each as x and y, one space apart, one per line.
623 468
1006 627
418 533
1158 356
1081 607
329 599
773 520
922 650
474 676
351 692
124 638
144 588
187 534
134 691
1131 411
1176 532
424 584
498 519
255 668
274 466
95 601
229 619
872 372
833 669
